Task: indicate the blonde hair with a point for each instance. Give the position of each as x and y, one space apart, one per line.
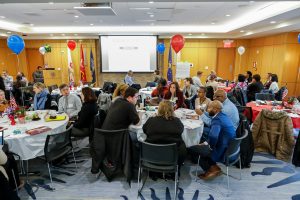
165 109
39 85
120 90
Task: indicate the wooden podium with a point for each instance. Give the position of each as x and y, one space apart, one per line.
52 77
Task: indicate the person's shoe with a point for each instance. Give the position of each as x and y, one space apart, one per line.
211 173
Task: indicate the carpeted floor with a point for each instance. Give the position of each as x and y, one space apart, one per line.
267 179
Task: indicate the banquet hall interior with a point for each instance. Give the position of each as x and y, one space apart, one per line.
163 99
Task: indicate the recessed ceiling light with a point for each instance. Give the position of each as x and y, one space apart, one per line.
273 22
151 1
227 15
139 8
242 31
63 34
2 17
75 34
31 24
51 2
152 24
190 34
91 24
213 23
151 15
8 32
76 16
251 1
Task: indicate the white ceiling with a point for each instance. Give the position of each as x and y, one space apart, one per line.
39 20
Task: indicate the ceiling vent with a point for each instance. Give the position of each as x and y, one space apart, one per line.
96 9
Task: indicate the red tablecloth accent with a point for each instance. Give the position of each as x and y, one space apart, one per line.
226 89
256 110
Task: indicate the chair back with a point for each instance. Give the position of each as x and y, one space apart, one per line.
150 84
246 111
159 154
58 145
281 94
264 96
233 149
52 87
210 92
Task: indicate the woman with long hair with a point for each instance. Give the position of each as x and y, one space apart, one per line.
274 88
175 95
119 91
42 98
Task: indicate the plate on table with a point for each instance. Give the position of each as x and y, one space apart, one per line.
36 119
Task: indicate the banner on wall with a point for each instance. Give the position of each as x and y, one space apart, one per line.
183 70
82 69
70 68
170 74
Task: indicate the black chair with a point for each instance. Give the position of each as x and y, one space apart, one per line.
264 96
158 158
150 84
210 92
247 112
57 146
52 87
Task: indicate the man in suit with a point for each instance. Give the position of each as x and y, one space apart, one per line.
211 151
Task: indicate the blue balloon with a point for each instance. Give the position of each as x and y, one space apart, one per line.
299 38
15 43
161 48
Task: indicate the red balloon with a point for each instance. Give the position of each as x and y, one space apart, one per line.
177 42
71 45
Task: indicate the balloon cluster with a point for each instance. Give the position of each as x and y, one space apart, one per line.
45 49
15 43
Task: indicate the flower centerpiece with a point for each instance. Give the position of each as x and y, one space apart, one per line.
20 113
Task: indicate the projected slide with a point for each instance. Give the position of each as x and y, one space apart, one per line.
124 53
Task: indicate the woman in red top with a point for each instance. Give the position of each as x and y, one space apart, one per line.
175 95
161 89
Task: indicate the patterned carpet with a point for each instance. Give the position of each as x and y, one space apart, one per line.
267 179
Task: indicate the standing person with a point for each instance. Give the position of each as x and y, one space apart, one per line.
175 95
129 78
23 78
248 77
255 87
213 150
69 103
122 112
38 75
42 98
165 128
81 127
202 101
212 73
268 81
274 88
189 91
197 79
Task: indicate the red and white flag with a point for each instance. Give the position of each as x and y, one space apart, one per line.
12 101
70 67
82 69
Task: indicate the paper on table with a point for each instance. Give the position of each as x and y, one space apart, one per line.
293 115
191 124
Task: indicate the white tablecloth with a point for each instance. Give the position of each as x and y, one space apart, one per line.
191 135
146 92
27 146
77 91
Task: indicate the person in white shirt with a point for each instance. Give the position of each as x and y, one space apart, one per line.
274 85
212 82
128 78
8 80
68 103
197 80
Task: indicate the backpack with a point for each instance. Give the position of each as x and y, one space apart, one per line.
104 101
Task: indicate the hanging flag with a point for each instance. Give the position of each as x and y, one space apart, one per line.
82 69
70 68
170 74
12 101
92 66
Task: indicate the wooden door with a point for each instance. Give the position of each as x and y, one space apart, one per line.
225 63
34 59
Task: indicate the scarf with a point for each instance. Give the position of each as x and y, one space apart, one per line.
40 100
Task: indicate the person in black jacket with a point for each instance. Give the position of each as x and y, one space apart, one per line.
122 112
42 98
86 115
254 87
165 128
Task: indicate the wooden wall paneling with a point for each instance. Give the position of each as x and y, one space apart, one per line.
190 54
278 60
290 68
34 59
266 59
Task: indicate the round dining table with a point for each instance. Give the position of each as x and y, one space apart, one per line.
257 108
30 146
146 92
191 135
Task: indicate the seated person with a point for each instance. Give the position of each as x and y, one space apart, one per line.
175 96
119 91
3 102
68 103
189 91
228 108
213 150
241 82
202 101
159 92
81 127
255 87
157 77
268 81
165 128
248 77
6 191
212 82
42 98
122 112
274 88
128 78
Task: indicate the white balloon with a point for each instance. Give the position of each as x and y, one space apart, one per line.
241 50
42 50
